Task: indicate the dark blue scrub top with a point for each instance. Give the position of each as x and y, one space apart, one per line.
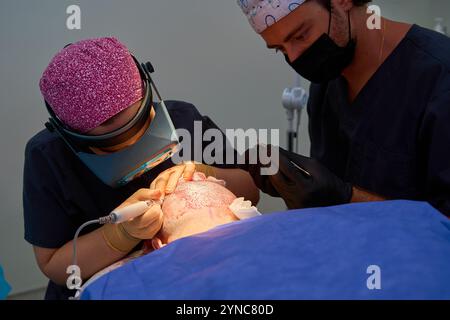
60 192
394 139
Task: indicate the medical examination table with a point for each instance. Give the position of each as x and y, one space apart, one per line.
323 253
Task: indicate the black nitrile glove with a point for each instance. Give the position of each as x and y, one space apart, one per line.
254 169
298 189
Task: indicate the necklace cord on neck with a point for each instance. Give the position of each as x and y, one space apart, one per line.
382 43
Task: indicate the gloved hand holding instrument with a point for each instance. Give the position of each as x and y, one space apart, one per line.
167 180
140 218
302 182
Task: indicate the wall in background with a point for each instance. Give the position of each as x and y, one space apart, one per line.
422 12
204 52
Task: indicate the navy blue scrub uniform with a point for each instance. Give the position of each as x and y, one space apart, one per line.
394 139
60 192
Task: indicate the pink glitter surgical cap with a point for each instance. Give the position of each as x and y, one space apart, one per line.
91 81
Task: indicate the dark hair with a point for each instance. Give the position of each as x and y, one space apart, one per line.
358 3
361 2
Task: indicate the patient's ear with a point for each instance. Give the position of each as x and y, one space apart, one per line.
157 243
213 179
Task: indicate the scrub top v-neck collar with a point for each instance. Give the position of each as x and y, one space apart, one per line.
350 113
393 139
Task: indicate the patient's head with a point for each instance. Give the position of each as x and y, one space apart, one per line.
194 207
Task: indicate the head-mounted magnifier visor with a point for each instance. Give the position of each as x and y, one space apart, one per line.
158 143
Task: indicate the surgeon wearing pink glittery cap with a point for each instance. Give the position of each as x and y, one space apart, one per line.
368 103
90 160
90 82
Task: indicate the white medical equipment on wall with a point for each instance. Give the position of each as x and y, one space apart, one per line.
294 100
440 27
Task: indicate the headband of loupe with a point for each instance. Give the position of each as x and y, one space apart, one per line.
157 144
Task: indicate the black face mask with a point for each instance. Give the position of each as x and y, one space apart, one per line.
324 60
